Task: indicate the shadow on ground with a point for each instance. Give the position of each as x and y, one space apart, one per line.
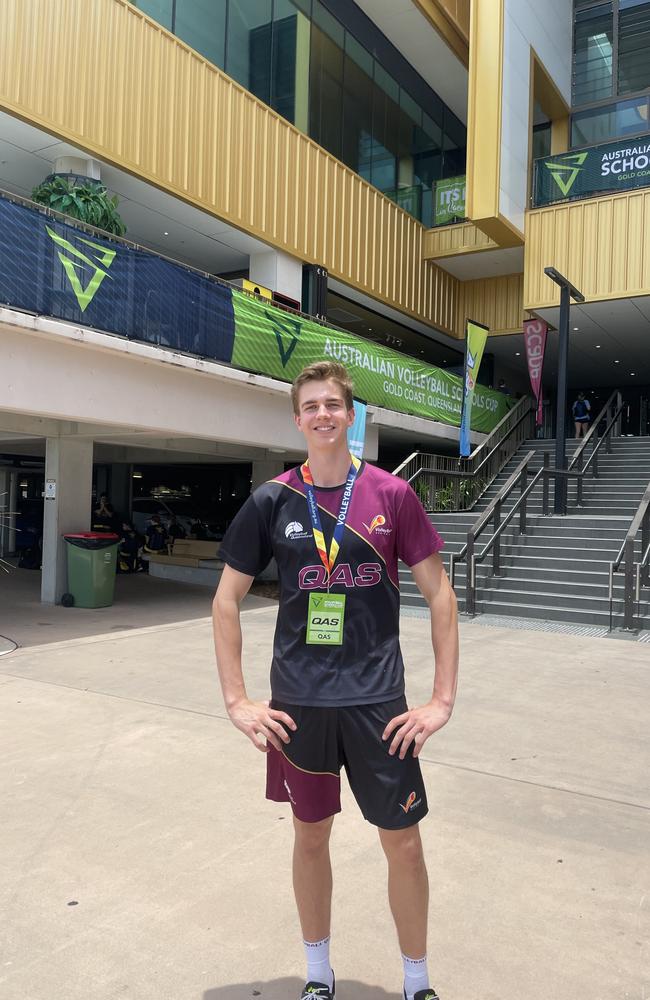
289 989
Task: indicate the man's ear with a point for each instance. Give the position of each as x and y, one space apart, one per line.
351 417
297 421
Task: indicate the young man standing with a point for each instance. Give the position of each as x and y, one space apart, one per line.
337 528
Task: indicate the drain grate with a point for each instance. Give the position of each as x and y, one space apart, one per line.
528 624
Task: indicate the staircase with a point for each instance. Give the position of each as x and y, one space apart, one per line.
559 570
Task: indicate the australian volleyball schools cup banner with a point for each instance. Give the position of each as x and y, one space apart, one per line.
612 166
277 343
475 340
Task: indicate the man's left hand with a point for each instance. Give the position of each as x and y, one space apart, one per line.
416 726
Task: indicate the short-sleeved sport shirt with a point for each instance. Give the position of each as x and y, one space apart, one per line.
385 523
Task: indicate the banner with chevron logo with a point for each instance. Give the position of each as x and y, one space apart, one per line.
612 166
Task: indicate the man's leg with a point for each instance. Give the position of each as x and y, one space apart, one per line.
312 886
408 895
408 888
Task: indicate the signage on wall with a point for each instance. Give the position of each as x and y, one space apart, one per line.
449 200
613 166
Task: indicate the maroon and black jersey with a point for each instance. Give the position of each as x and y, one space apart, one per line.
385 523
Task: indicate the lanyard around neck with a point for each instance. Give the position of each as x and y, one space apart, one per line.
319 538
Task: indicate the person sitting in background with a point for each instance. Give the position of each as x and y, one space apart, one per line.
156 536
174 531
128 553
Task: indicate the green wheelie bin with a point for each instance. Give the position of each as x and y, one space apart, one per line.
92 557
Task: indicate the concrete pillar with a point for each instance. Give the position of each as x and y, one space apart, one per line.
120 490
69 476
265 469
79 165
277 271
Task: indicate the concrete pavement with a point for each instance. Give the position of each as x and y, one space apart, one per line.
139 860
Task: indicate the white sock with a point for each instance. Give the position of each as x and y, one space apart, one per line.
416 975
319 969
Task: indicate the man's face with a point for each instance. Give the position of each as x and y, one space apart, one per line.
322 415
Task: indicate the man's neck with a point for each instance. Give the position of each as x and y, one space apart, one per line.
329 469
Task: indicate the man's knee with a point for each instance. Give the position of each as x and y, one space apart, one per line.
312 838
403 847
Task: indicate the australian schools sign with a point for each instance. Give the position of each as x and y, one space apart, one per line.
598 170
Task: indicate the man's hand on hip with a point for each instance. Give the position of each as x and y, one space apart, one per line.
416 726
262 725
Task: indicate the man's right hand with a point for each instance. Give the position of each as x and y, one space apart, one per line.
262 725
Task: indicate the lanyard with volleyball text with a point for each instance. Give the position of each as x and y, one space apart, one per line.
327 611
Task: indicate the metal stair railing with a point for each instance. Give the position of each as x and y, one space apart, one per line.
519 477
636 574
613 406
445 482
493 512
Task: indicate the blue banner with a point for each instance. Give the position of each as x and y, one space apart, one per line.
357 433
53 269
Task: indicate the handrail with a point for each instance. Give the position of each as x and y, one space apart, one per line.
438 478
606 440
632 592
593 430
494 512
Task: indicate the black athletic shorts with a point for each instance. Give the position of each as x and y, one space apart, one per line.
306 772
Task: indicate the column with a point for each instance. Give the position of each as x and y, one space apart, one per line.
265 469
69 467
278 271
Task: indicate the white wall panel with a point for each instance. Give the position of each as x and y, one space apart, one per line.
546 28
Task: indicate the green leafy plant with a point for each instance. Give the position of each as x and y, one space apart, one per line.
89 202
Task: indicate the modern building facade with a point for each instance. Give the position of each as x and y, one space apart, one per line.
394 169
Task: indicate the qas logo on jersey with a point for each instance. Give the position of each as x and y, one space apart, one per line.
295 530
377 524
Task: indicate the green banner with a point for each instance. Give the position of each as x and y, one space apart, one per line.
613 166
449 201
476 339
277 343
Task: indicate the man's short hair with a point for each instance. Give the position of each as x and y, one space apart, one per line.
320 371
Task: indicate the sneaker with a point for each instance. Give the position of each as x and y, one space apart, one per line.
428 994
318 991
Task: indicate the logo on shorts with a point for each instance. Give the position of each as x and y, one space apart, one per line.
295 530
411 803
377 524
291 798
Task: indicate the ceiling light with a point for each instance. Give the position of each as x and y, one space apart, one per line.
137 475
517 354
632 373
617 362
576 328
597 347
165 234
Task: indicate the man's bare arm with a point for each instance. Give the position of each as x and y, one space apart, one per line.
416 725
260 723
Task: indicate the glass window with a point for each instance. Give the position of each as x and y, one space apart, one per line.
633 46
592 54
160 10
541 140
248 46
326 80
600 124
202 24
357 108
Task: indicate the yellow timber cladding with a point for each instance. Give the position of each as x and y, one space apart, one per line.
601 242
102 76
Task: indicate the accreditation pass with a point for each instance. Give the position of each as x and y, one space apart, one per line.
325 619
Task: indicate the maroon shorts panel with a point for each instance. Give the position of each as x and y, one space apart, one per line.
390 792
313 795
